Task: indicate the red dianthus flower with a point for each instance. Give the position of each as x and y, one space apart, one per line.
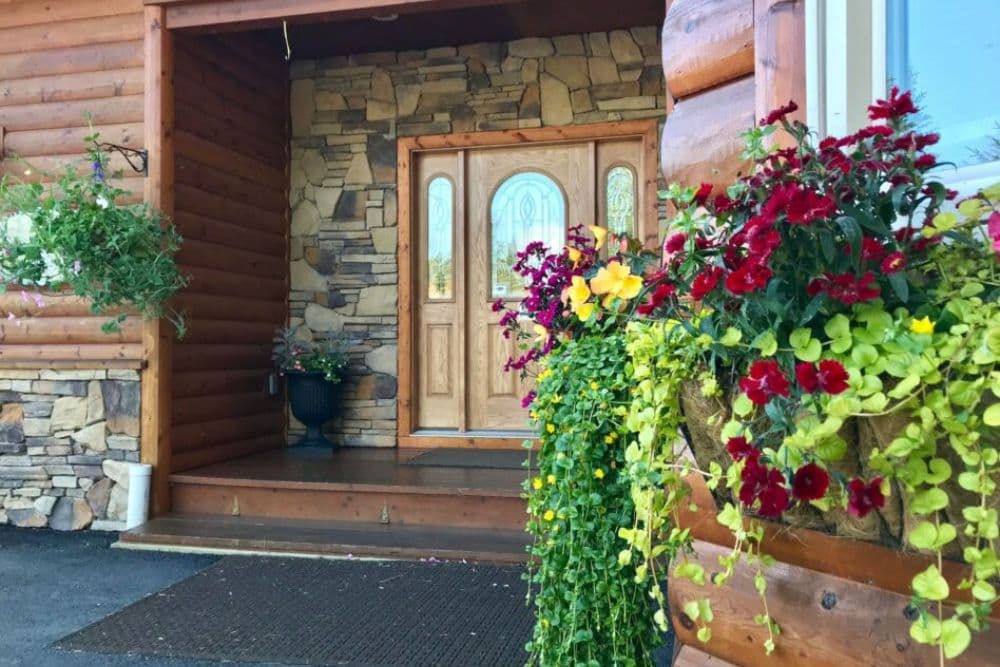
764 381
896 106
705 282
894 263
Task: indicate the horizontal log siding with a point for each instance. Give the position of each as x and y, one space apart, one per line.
231 206
60 62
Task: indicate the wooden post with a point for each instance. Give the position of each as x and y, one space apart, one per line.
157 335
780 57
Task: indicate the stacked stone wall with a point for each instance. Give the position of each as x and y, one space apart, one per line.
347 113
66 438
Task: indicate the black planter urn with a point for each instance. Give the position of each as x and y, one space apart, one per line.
313 401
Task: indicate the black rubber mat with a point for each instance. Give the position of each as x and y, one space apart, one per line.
471 458
320 612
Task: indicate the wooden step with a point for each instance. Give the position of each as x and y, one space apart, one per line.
327 538
362 486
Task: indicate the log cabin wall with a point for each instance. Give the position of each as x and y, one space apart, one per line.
231 207
61 62
69 393
726 63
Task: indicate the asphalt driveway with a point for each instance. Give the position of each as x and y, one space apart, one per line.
52 584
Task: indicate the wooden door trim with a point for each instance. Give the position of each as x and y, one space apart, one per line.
407 149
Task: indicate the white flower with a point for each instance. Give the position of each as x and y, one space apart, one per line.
18 228
102 202
52 272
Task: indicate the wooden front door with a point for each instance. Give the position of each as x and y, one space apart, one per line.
473 210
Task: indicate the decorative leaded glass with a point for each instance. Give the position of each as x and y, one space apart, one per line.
440 239
527 207
620 194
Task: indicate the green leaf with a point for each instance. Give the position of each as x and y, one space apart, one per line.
899 285
766 343
984 591
928 501
799 338
940 470
692 610
992 415
864 355
810 352
930 585
955 637
704 634
838 326
732 337
924 535
926 629
742 405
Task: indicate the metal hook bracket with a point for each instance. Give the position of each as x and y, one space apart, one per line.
136 158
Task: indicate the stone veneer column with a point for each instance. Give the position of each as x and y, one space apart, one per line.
66 438
347 113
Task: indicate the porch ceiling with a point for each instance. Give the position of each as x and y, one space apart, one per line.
489 23
322 28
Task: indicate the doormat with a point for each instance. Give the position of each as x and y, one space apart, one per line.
322 612
454 457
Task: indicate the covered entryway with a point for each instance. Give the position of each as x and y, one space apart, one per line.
416 145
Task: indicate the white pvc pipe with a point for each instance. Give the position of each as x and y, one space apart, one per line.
139 477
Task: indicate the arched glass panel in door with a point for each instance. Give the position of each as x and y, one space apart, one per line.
440 238
528 206
619 190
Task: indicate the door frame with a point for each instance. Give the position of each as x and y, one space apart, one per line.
408 148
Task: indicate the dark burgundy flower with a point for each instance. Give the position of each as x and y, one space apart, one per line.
722 203
705 282
863 497
701 195
739 448
832 376
774 497
849 290
872 249
807 377
765 484
779 113
893 108
675 243
656 298
810 482
528 398
748 278
925 161
817 286
764 381
497 306
894 263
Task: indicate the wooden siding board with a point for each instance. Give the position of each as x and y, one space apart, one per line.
72 60
707 43
122 27
232 206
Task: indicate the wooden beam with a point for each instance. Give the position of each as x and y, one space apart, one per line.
244 14
825 621
157 335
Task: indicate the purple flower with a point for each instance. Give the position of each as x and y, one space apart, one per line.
77 267
98 169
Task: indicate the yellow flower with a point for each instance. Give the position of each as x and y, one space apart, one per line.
594 385
541 333
600 235
574 255
599 473
924 326
549 515
551 479
551 428
608 440
615 281
536 483
533 414
578 292
584 311
544 374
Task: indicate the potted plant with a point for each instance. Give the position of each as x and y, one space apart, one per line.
314 370
810 399
72 234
